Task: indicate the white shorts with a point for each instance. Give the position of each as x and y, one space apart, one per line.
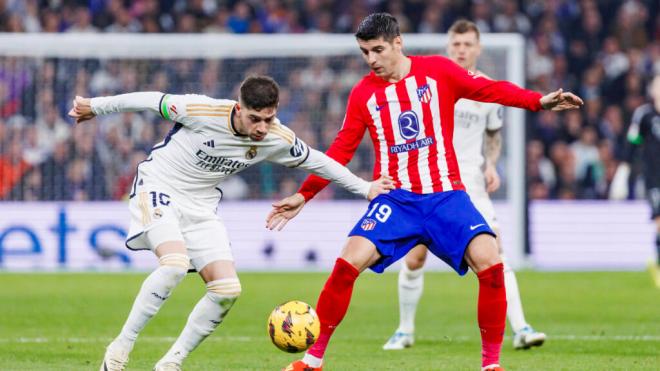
159 214
475 186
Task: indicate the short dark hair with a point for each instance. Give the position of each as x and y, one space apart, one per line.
378 25
258 92
464 26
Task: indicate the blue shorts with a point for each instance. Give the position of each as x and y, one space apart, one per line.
445 222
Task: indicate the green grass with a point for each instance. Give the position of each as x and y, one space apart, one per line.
595 321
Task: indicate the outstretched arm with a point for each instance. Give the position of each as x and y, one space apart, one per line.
289 207
480 88
342 148
87 108
325 167
560 101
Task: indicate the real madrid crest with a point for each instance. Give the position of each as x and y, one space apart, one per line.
251 153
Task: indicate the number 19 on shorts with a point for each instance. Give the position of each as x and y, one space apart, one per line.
382 212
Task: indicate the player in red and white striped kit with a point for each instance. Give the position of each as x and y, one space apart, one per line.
473 121
407 105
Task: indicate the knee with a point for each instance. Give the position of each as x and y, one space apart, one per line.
482 265
483 253
416 258
174 265
417 263
224 291
360 253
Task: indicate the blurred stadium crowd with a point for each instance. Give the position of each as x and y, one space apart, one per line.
605 51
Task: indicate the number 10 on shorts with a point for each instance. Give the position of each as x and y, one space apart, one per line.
159 197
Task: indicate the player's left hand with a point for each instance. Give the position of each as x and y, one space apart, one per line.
492 178
560 101
284 210
82 109
382 185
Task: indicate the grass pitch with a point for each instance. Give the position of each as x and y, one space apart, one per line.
594 321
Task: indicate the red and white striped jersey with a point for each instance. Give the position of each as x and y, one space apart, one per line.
411 123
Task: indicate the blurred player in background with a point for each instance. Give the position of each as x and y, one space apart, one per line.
175 194
644 132
407 104
471 121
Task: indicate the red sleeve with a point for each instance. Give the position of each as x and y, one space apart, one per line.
480 88
342 148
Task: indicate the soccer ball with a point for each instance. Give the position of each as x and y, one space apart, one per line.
293 326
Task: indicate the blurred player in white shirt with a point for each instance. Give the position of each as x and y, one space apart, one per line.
176 191
473 121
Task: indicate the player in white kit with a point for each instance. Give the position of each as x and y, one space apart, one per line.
473 121
176 191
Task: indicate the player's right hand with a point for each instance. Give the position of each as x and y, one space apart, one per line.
284 210
560 101
382 185
82 109
492 178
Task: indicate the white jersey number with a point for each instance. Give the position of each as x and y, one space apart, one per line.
384 212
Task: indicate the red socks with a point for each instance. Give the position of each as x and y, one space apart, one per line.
336 296
333 303
491 313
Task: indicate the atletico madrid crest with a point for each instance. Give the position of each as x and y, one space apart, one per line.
424 93
368 224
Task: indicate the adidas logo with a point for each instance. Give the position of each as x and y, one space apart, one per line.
210 143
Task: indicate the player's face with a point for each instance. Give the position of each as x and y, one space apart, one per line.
255 123
382 56
464 49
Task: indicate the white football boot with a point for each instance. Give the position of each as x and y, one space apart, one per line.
116 358
527 338
167 366
400 340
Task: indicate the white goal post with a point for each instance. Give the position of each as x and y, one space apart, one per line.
502 58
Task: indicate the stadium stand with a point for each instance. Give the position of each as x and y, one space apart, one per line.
605 51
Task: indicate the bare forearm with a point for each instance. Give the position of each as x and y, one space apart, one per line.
493 146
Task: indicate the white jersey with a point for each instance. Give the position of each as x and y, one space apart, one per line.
203 147
471 120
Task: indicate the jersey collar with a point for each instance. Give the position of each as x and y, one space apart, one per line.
231 126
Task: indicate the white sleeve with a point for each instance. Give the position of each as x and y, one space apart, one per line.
195 110
327 168
293 152
130 102
495 118
189 109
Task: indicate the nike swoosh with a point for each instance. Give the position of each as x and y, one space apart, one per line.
378 108
473 227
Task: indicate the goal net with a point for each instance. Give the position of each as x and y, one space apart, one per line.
53 160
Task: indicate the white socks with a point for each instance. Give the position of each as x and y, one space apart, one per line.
205 317
312 361
411 285
514 310
155 289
